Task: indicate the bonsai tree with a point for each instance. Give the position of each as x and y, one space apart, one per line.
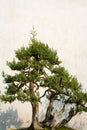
38 66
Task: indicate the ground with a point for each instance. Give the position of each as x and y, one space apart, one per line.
63 128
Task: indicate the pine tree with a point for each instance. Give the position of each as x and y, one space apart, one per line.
38 65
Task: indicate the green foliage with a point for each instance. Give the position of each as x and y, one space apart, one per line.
18 65
22 54
8 98
29 66
42 51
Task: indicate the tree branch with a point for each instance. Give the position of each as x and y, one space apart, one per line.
45 92
50 90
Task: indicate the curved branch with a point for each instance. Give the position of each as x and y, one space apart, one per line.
54 93
18 88
45 92
37 86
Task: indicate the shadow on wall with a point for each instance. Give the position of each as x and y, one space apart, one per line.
9 118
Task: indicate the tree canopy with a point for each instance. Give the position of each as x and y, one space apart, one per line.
36 66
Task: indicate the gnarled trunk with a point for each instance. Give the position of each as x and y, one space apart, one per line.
51 120
49 116
53 123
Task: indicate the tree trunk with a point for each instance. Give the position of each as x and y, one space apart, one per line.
35 111
53 122
35 114
64 121
49 116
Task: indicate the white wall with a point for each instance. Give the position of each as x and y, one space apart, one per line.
61 24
